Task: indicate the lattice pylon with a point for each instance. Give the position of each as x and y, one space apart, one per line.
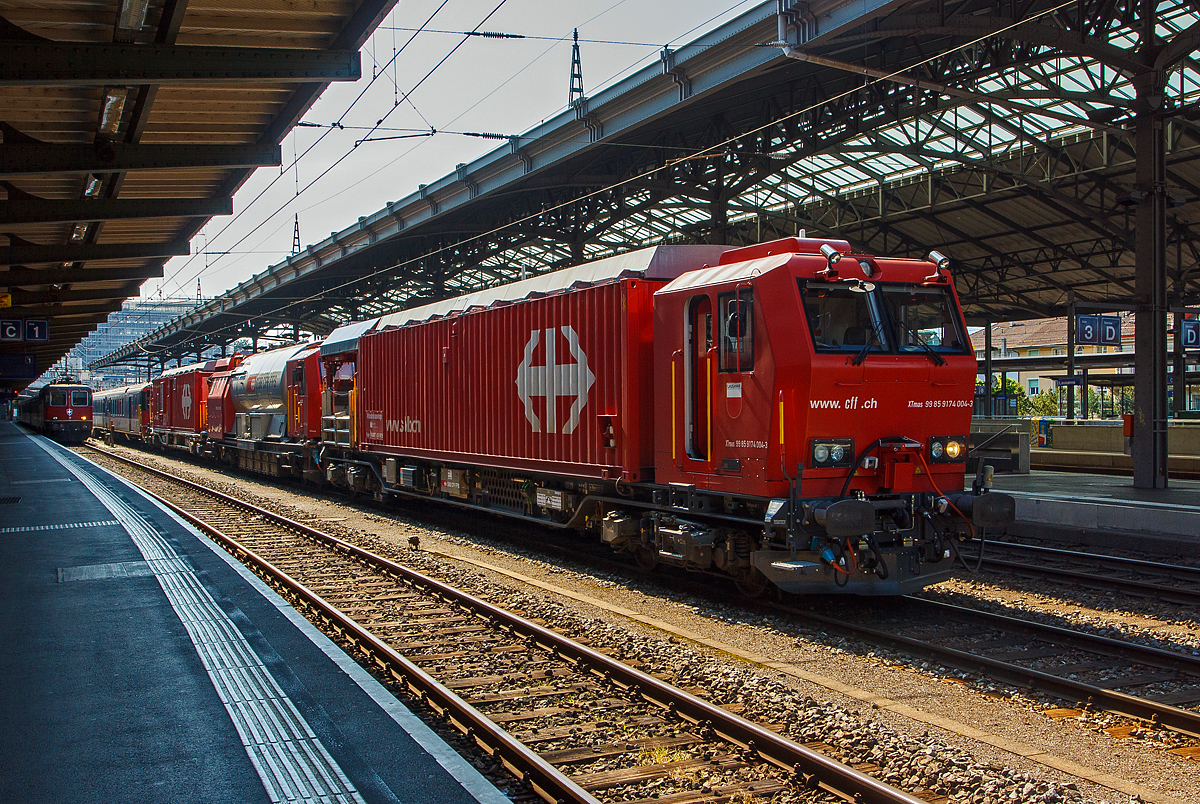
576 73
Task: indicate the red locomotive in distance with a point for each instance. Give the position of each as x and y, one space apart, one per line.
61 410
786 414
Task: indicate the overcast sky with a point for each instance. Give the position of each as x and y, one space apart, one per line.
503 86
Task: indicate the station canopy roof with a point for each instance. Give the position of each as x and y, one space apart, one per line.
1002 136
126 124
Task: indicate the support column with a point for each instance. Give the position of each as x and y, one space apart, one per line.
988 405
1071 360
1149 447
1179 370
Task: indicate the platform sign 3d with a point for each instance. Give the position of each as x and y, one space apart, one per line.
1099 330
1191 334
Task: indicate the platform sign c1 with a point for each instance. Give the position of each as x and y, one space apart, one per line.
1110 330
37 329
12 329
1191 334
1087 329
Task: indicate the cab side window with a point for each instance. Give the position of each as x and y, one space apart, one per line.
736 319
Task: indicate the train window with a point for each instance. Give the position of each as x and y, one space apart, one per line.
58 398
736 320
80 399
925 317
842 317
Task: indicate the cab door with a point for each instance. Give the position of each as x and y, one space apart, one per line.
296 390
698 373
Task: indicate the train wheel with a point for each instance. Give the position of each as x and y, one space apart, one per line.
645 558
751 582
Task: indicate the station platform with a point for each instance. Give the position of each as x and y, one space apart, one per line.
141 663
1105 510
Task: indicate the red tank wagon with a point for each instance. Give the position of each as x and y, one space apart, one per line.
60 410
789 413
264 410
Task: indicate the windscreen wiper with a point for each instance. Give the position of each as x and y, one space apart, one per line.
937 359
862 353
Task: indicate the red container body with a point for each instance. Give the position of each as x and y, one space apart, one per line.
219 410
180 399
559 384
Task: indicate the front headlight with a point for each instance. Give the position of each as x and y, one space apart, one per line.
832 452
947 449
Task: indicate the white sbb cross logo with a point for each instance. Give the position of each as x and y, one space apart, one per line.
554 380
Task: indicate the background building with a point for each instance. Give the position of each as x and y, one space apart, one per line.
132 321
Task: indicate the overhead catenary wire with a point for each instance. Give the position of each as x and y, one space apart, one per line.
336 125
346 155
714 148
339 125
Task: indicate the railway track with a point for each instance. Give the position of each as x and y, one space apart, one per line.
1166 582
573 723
1088 670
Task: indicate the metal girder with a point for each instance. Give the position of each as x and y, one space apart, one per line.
23 252
56 311
19 159
43 210
27 298
21 276
99 64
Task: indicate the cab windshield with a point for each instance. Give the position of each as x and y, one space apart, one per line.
867 317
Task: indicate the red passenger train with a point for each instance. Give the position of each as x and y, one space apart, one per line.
788 413
60 410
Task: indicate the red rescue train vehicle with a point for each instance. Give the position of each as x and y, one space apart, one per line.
787 414
60 410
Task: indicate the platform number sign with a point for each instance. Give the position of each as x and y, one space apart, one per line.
1191 334
37 329
1087 329
1099 330
27 329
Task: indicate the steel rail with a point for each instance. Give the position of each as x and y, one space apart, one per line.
1158 657
1174 718
1187 597
813 768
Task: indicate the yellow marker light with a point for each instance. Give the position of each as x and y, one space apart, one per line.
953 449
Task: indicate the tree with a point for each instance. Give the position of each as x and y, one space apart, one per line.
1014 390
1043 404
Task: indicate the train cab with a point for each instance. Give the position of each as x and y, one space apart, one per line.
60 410
836 386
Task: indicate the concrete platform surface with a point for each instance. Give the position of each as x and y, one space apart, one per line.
1106 509
140 663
